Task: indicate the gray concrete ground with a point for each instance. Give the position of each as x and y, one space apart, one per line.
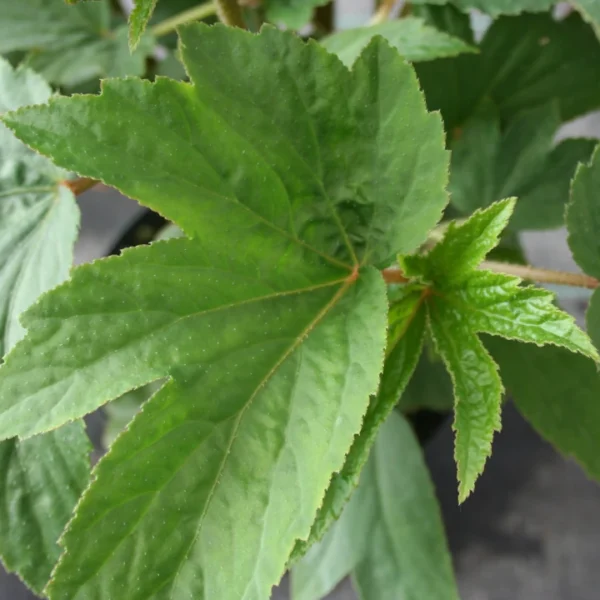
532 529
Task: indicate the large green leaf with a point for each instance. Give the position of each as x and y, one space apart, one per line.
390 535
413 38
404 345
42 478
489 164
524 62
294 163
461 302
292 13
590 9
271 353
70 45
446 18
558 393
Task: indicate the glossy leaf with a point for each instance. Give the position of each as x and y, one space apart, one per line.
138 19
70 45
415 40
292 13
404 345
462 302
42 478
557 392
294 163
517 56
390 535
489 164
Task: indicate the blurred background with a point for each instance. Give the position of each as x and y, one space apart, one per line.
531 531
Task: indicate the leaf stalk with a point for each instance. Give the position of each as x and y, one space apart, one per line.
383 12
195 13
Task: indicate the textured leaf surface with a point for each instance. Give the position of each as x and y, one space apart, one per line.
294 163
462 302
489 164
292 13
390 535
404 345
271 346
558 393
140 15
42 478
412 37
524 62
70 45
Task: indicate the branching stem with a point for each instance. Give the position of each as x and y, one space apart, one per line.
195 13
395 275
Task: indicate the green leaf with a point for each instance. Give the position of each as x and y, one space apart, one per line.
556 391
70 45
300 153
497 7
446 18
524 62
489 164
404 345
42 477
583 216
292 13
462 302
391 533
138 19
590 9
415 40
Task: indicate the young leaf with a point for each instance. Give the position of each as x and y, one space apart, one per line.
462 302
138 19
70 45
520 62
42 477
415 40
489 164
557 392
404 345
390 535
292 13
294 164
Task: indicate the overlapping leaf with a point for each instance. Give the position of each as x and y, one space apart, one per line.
390 536
42 477
138 19
414 39
70 45
490 162
524 62
583 223
292 13
496 7
461 302
272 341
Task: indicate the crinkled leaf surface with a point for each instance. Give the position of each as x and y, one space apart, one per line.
524 62
70 45
390 535
292 13
42 478
138 19
413 38
558 393
404 345
272 344
583 224
490 162
462 302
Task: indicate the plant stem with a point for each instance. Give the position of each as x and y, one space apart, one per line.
230 13
395 275
383 12
80 185
193 14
